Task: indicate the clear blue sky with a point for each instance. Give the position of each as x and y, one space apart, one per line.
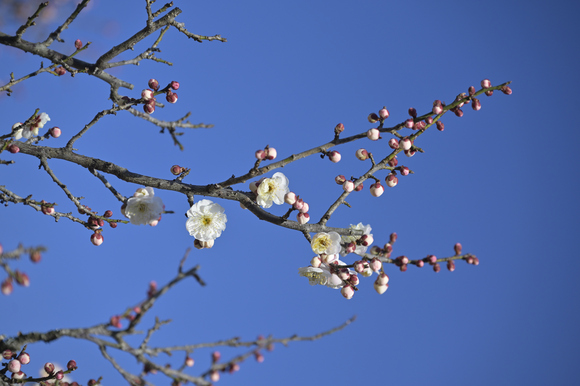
502 181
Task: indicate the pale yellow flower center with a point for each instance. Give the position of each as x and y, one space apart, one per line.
321 243
314 277
206 220
142 207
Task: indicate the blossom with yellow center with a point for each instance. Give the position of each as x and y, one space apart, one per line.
326 243
144 207
272 190
206 220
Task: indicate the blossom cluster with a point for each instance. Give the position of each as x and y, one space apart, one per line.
29 130
327 269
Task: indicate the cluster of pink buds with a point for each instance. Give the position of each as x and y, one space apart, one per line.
60 70
269 153
148 95
300 205
381 116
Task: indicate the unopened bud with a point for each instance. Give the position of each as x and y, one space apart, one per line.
457 248
404 171
362 154
334 156
176 170
359 187
391 180
485 83
413 112
302 218
450 265
373 118
338 129
290 198
436 268
405 143
48 368
440 126
348 186
409 123
174 85
55 132
377 189
13 148
506 90
394 143
97 238
147 94
14 366
471 90
384 113
24 358
393 238
376 264
381 289
475 104
373 134
154 84
189 362
260 154
347 291
340 179
60 71
271 153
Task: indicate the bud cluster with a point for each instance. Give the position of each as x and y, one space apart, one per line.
148 95
268 153
16 361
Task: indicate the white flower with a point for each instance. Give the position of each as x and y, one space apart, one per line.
321 275
144 207
206 220
326 243
30 130
272 190
360 249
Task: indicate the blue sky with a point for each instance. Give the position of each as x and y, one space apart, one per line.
502 181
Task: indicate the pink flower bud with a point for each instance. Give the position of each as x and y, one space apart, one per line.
348 186
71 365
437 109
21 278
350 248
113 225
475 261
471 90
354 280
214 376
429 120
381 289
377 189
485 83
18 375
149 108
409 153
97 238
373 134
55 132
171 97
362 154
391 180
13 148
304 208
347 291
299 204
403 268
458 112
436 268
59 375
404 171
393 162
413 112
359 266
48 367
359 187
316 261
506 90
154 84
420 125
405 143
457 248
147 94
382 279
7 287
302 218
215 356
260 154
338 129
290 198
60 71
343 274
14 366
376 264
375 250
384 113
420 263
394 143
450 265
373 117
409 123
475 104
489 93
366 240
78 44
7 354
393 238
259 357
24 358
46 209
271 153
189 362
174 85
440 126
431 259
340 179
176 170
334 156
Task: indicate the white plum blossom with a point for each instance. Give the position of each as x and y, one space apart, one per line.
326 243
30 130
360 249
144 207
206 220
321 275
272 190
